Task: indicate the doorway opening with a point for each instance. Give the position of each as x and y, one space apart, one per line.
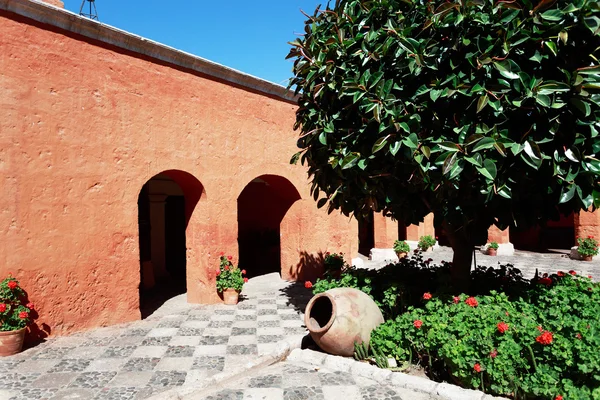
261 207
165 204
366 234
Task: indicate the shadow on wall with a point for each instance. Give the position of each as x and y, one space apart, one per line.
309 267
36 333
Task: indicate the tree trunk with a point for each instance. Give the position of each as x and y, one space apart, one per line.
463 241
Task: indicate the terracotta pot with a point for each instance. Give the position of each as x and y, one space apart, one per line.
401 254
586 258
11 342
338 318
492 252
231 296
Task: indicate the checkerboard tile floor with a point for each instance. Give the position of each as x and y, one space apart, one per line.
137 360
292 381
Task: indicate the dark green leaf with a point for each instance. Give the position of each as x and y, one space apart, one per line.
485 143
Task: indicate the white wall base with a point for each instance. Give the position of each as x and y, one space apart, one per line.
383 255
358 262
575 254
504 249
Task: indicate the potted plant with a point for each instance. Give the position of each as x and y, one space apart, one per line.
426 242
492 249
334 264
587 248
14 316
401 248
230 280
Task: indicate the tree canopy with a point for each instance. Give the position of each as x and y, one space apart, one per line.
483 112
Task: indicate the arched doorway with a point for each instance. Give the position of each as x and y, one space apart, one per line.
261 207
165 205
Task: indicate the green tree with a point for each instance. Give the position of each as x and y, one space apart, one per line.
482 112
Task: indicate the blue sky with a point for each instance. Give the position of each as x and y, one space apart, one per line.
250 36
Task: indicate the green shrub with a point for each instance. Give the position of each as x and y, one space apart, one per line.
400 246
587 246
229 276
426 242
493 245
334 264
543 344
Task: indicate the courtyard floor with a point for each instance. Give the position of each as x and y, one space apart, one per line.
185 344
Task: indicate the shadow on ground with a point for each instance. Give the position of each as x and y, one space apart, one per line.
297 295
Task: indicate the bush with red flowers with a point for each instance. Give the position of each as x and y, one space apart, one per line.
539 345
229 276
532 339
14 309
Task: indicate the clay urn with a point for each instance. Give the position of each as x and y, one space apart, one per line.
338 318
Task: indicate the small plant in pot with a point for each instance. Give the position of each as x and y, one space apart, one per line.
14 316
334 264
401 248
230 280
426 242
492 249
587 248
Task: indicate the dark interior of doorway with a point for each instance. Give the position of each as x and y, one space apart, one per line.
261 207
366 235
174 244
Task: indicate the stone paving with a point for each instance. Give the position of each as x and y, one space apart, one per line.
297 381
184 344
181 344
525 261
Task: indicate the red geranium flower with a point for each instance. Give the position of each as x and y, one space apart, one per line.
308 284
472 301
229 258
23 315
418 324
545 338
560 273
572 272
31 306
477 367
559 397
245 280
494 353
221 254
456 299
545 281
227 268
2 307
12 284
218 272
589 276
578 336
243 272
427 296
502 327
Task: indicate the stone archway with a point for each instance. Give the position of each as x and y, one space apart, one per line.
165 205
261 205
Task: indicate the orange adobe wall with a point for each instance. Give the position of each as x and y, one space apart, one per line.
85 125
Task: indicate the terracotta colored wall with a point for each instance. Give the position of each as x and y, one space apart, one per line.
84 126
498 236
414 232
587 224
386 231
